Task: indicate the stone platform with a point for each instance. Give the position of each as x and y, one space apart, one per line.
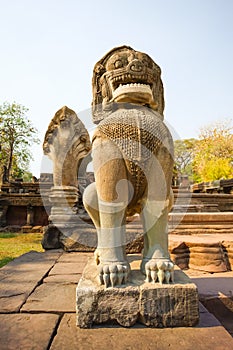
205 252
152 304
37 310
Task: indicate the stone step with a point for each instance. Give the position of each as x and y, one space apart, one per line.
207 252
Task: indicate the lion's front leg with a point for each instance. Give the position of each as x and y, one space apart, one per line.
156 263
110 254
112 195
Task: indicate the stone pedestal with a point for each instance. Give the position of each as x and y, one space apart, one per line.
63 199
154 305
63 219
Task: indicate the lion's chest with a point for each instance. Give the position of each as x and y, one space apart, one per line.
137 132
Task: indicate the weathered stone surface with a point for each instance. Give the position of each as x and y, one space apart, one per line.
67 268
36 260
212 285
14 300
37 229
201 252
25 331
173 306
74 257
20 277
222 308
81 238
224 201
228 247
50 239
103 306
216 293
154 305
208 334
77 236
66 142
71 278
51 297
26 229
191 223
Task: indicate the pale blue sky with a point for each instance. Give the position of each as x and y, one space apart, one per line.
49 48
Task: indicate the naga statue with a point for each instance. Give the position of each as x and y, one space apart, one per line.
132 152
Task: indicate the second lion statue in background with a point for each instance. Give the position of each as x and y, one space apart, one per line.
133 163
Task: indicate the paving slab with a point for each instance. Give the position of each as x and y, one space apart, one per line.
27 331
212 284
73 257
216 293
28 281
71 278
35 263
52 297
21 276
12 304
66 268
13 294
203 337
222 308
33 258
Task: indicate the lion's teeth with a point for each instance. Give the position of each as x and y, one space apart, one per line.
132 87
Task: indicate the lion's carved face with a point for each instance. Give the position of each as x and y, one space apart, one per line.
126 75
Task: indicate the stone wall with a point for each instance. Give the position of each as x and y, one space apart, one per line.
29 208
19 209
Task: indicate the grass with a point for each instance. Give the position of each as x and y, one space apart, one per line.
13 245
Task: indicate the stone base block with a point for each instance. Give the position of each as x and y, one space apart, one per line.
26 229
154 305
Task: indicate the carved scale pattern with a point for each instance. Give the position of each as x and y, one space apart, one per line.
138 133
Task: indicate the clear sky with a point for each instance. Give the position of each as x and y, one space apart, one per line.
49 48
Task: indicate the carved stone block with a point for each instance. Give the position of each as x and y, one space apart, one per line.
152 304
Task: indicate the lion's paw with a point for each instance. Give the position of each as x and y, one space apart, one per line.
113 274
160 270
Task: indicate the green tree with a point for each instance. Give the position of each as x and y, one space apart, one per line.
184 152
17 134
213 154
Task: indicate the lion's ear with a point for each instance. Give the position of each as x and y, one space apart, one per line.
160 97
97 109
99 69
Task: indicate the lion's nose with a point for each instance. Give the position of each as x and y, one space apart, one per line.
136 66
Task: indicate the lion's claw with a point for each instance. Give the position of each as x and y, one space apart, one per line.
159 270
113 274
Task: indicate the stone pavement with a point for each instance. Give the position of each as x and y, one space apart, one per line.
37 310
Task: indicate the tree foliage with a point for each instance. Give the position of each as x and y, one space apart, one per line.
213 153
17 134
184 155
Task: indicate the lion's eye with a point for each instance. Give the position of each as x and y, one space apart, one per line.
118 64
145 62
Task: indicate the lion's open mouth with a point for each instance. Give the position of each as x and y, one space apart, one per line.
130 88
138 93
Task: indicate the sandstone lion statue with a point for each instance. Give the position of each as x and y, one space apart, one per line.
132 152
